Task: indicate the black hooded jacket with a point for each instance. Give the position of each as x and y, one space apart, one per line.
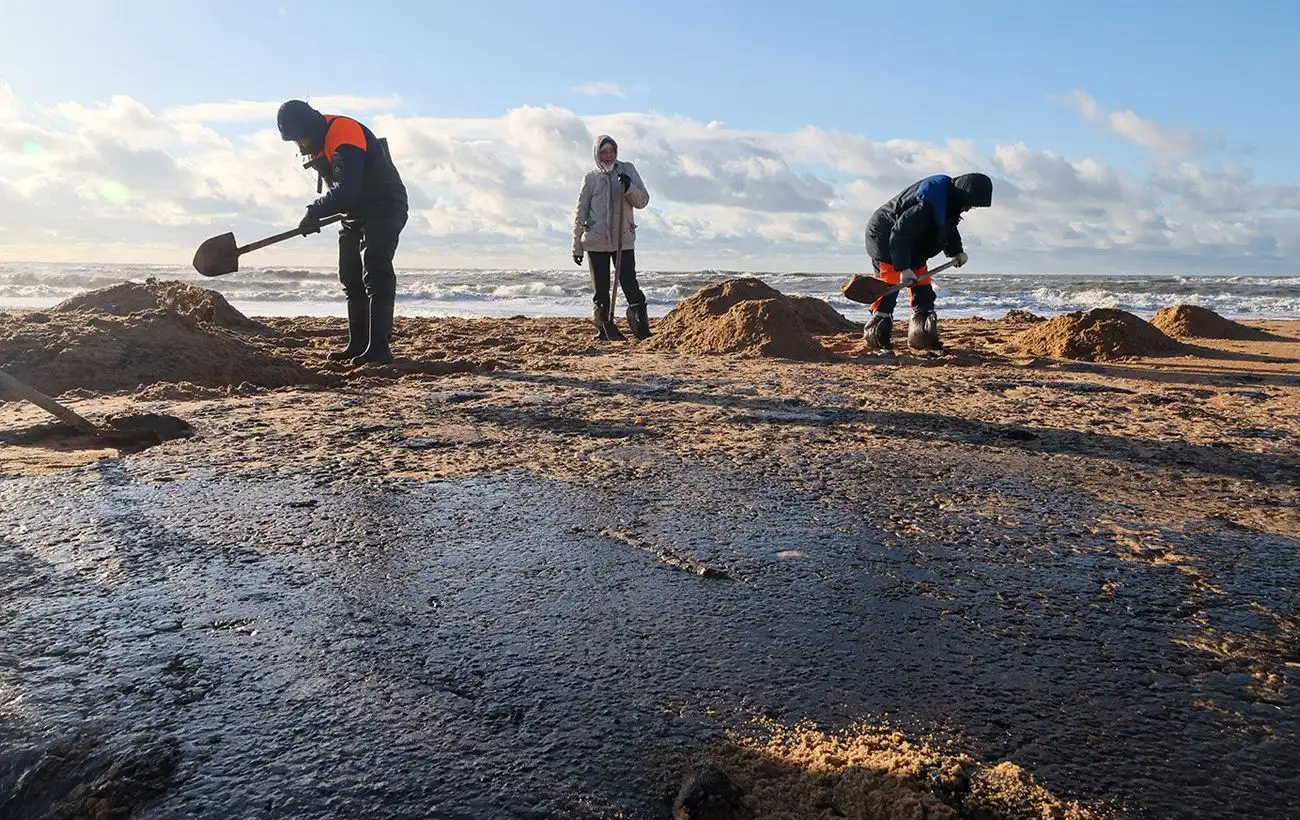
362 179
922 220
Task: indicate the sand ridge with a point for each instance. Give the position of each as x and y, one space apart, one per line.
1193 321
1100 334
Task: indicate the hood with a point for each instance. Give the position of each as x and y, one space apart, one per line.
298 120
973 190
595 148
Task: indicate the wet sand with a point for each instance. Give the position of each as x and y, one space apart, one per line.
523 574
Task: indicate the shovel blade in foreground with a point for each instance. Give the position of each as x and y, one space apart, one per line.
217 256
866 289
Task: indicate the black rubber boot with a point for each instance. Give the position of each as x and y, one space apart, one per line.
877 332
358 330
381 326
923 332
606 330
639 320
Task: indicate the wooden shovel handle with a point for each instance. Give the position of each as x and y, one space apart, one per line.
280 237
11 386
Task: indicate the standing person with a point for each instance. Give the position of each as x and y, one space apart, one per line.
365 187
902 235
603 225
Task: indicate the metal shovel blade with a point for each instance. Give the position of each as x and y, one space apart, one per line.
865 289
217 256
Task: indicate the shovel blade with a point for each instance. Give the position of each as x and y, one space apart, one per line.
865 289
217 256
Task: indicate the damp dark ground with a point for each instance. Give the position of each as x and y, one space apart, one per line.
315 643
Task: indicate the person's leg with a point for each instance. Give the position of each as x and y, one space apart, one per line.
598 262
351 277
923 329
637 317
382 233
880 326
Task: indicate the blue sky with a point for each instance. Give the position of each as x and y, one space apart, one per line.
996 73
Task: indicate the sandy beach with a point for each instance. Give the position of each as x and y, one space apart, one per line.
1049 573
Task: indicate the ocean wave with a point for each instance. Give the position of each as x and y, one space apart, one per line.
548 292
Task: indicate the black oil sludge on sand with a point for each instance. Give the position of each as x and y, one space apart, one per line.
309 643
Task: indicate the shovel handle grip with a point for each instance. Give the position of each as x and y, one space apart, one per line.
280 237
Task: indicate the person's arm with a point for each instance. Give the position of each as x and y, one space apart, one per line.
347 170
580 218
636 192
907 229
954 247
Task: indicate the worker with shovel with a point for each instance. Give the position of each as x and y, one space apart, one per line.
604 227
902 235
366 189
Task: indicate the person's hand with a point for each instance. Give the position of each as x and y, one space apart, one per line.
960 259
309 224
907 277
626 180
577 258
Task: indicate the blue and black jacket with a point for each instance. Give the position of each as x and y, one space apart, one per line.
922 220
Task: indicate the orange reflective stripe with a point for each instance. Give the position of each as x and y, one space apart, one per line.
889 274
340 131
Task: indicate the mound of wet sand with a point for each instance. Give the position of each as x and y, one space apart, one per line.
748 317
100 353
1101 334
1193 321
864 773
1022 317
200 304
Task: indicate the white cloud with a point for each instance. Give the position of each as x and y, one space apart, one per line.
241 111
120 180
600 88
10 106
1166 140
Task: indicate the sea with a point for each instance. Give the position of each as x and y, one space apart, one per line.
497 293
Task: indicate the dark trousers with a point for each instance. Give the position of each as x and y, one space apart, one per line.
366 249
922 297
599 263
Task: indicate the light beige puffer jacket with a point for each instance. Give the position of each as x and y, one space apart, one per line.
598 204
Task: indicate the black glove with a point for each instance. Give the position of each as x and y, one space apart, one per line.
309 224
577 258
626 180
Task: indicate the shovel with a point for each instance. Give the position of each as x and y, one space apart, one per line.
867 289
220 255
9 386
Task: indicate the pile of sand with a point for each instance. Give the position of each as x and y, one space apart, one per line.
1101 334
1017 316
67 350
864 773
819 318
1193 321
200 304
748 317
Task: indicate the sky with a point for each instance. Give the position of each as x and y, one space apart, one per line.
1122 137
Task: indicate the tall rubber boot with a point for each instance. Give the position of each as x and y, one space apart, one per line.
606 330
877 333
381 326
358 330
639 320
923 332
